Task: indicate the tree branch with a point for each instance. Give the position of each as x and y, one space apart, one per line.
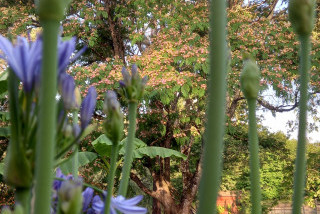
145 189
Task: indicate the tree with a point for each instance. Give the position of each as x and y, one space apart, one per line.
168 40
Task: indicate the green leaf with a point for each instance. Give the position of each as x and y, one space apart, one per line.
137 144
185 90
4 116
4 131
102 145
84 159
154 151
4 75
164 98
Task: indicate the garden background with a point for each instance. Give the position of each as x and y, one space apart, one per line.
168 40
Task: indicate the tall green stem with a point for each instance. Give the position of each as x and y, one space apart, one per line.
18 171
300 173
75 159
113 163
22 196
129 149
47 118
254 159
212 159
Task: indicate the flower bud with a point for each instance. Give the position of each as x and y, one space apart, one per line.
250 79
68 92
70 197
301 15
126 76
114 121
68 130
132 86
17 171
87 107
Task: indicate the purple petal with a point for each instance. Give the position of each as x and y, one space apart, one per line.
87 107
65 50
87 195
133 201
67 91
97 204
128 206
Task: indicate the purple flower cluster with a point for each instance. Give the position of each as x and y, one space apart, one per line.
25 59
93 204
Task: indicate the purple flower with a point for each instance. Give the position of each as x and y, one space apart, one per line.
126 206
57 183
65 50
24 59
87 195
67 91
87 107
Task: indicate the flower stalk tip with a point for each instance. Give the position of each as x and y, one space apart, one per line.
250 79
301 15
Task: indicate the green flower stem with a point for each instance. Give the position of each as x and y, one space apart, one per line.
75 158
113 167
128 158
254 159
22 195
212 159
300 173
47 118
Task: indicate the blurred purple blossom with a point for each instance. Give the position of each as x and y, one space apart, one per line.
24 58
87 107
126 206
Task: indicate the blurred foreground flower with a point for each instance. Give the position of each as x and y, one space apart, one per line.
93 204
87 107
126 206
24 59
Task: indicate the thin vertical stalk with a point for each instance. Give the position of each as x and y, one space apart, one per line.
254 159
18 171
75 158
300 173
47 118
113 167
22 196
129 149
212 159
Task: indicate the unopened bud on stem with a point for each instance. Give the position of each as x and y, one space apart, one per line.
114 122
250 79
301 15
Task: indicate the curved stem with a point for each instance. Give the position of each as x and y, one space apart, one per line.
47 118
113 167
254 159
300 173
212 157
129 149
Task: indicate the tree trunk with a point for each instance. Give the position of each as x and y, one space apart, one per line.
115 29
